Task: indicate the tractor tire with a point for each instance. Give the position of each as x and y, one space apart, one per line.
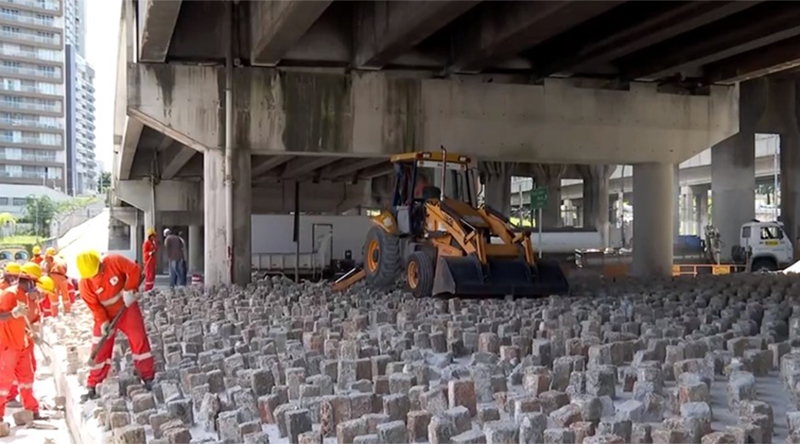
763 265
419 274
382 260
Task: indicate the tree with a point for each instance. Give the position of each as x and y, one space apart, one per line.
104 183
40 211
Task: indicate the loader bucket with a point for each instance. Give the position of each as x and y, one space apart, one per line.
465 276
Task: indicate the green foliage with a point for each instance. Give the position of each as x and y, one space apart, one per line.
40 211
104 183
7 218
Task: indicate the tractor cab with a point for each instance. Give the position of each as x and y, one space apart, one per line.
425 177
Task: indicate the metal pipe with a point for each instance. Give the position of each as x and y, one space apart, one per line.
228 181
444 173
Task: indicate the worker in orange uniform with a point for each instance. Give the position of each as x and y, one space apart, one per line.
40 308
17 305
56 267
149 250
37 255
107 286
10 275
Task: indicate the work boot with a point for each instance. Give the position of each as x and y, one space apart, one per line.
91 393
38 416
148 384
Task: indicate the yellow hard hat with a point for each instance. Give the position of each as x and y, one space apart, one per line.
151 231
46 284
88 264
37 250
50 251
31 270
12 269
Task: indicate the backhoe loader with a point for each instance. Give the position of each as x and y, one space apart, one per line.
435 234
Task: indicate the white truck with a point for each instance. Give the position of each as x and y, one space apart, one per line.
763 246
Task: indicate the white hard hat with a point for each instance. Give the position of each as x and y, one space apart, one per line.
166 232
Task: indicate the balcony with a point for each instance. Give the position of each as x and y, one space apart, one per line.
55 41
29 89
42 54
40 4
19 18
29 123
28 140
28 157
30 72
30 106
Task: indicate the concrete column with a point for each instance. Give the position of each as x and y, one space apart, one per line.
220 265
652 224
687 211
549 175
497 189
733 181
596 199
676 202
790 183
195 248
700 193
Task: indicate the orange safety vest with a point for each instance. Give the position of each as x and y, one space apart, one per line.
14 331
103 293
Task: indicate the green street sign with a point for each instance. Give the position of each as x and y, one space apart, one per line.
538 198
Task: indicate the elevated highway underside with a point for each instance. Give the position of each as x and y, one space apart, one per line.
321 93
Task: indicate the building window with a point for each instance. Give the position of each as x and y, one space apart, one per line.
3 201
19 201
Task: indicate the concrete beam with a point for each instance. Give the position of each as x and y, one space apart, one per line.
175 158
265 164
349 167
301 166
370 114
387 29
608 40
171 195
375 171
130 142
760 26
157 20
502 30
275 25
760 62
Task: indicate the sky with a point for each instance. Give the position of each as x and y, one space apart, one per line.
102 37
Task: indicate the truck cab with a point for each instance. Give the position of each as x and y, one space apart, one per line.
765 246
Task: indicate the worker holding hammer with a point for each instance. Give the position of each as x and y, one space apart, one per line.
107 287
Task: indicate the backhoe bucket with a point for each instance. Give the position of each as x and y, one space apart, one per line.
465 276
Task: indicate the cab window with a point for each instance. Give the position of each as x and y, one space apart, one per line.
746 232
768 233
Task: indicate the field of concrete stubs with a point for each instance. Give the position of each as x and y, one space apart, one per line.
711 360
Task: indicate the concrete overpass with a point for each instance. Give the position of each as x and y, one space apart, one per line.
223 106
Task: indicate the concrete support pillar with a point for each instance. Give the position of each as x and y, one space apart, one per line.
195 248
652 221
222 266
790 183
733 181
497 186
596 207
549 175
687 211
700 193
676 202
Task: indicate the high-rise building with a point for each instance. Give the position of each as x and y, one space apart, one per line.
80 146
32 91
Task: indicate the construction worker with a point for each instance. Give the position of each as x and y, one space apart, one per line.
107 286
149 250
47 289
17 310
49 254
37 255
56 268
10 275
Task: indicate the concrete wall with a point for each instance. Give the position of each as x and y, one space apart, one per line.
380 114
